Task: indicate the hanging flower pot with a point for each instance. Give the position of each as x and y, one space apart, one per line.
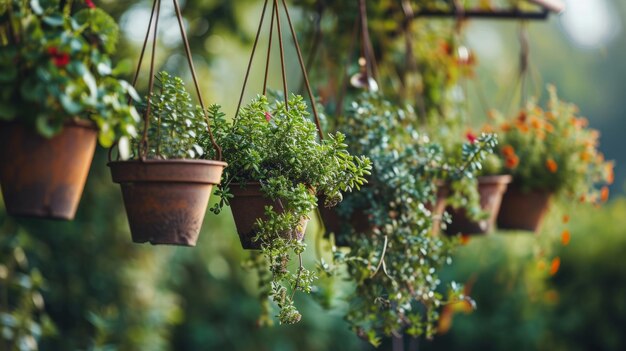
333 223
45 177
248 205
166 200
491 190
167 184
54 87
523 210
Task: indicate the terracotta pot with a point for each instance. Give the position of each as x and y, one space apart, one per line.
491 190
248 205
333 223
523 210
41 177
166 200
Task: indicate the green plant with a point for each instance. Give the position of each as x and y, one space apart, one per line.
395 264
56 67
553 150
23 320
176 126
275 144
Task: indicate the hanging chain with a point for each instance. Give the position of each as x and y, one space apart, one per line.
276 17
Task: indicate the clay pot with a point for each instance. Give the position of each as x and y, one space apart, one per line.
41 177
333 223
166 200
248 205
491 190
523 210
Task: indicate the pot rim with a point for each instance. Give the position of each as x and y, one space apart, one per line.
499 179
179 161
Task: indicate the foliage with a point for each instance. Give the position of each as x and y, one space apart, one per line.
55 67
553 150
23 321
394 257
176 125
275 144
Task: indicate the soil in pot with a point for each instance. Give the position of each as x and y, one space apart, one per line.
45 178
247 205
523 210
166 200
491 190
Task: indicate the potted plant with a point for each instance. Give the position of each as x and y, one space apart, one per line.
394 262
549 153
474 202
167 184
277 169
59 92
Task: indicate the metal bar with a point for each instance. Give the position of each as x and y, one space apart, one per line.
478 14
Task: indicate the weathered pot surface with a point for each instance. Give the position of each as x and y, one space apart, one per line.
524 210
248 205
45 178
491 189
166 200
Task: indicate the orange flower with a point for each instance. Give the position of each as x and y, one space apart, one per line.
487 129
535 123
555 265
512 162
604 194
550 115
566 219
465 239
552 166
522 127
565 237
549 128
610 175
582 198
508 150
505 127
585 156
521 118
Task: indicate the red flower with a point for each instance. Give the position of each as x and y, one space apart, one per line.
53 51
61 60
268 117
471 137
90 4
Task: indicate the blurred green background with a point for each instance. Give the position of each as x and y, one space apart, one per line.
103 293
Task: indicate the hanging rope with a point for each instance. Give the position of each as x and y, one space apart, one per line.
277 18
154 18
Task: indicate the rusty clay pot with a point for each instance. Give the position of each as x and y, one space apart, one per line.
333 223
523 210
248 205
491 190
166 200
44 178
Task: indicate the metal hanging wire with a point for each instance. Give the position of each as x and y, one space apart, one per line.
276 18
527 78
368 72
154 18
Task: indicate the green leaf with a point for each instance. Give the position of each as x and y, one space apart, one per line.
54 21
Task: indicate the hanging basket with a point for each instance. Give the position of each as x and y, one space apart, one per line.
166 200
248 206
44 178
491 190
523 210
359 222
